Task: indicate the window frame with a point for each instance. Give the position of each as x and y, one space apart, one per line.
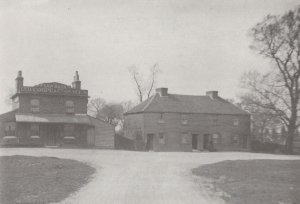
161 118
236 122
35 107
235 139
184 119
11 131
162 138
184 138
69 130
70 107
216 138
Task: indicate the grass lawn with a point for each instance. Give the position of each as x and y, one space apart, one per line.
25 179
254 181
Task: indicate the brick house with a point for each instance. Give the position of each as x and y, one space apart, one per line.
53 114
172 122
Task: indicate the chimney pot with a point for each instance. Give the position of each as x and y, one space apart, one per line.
19 73
76 84
19 81
162 91
212 94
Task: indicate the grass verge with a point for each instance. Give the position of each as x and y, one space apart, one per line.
254 181
25 179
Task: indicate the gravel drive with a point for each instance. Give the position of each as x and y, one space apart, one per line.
141 177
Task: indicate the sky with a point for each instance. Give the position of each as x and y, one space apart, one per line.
199 45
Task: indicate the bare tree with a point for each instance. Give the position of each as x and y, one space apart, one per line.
95 106
261 118
144 88
278 38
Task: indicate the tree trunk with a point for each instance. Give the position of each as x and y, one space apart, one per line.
291 131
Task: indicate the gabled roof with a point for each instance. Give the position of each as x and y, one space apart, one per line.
174 103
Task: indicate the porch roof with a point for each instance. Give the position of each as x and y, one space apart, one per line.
53 118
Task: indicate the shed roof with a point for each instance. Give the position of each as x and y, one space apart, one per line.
175 103
53 118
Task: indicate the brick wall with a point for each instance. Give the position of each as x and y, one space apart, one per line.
53 104
199 124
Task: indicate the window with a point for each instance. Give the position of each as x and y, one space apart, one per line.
216 138
184 120
235 139
70 106
34 130
161 138
235 122
35 105
69 130
161 118
184 138
10 129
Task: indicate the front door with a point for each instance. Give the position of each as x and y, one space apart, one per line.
150 141
194 141
52 135
207 142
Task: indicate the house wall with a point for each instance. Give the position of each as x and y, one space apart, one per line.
134 130
53 104
199 124
133 125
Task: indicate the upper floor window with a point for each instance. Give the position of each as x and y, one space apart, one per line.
184 119
70 106
161 138
35 105
235 122
161 118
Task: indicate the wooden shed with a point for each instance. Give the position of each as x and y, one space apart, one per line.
100 134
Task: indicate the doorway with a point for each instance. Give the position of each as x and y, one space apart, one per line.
150 138
194 141
52 135
207 142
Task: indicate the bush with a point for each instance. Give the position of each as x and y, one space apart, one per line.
268 147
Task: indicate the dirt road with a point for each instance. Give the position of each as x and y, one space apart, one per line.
141 177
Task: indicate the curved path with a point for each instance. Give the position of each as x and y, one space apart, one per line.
141 177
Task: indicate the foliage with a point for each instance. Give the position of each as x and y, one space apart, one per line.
109 112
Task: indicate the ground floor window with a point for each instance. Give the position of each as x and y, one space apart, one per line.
184 138
161 138
216 138
34 130
69 130
10 129
235 139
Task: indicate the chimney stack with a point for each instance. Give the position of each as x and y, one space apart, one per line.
162 91
76 84
19 81
212 94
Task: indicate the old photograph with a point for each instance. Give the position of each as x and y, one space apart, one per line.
150 102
